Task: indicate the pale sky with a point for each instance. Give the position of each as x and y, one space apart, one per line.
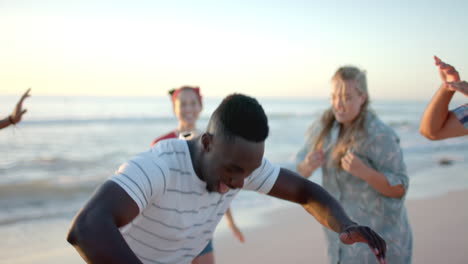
262 48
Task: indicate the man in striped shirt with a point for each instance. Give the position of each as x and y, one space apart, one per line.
163 205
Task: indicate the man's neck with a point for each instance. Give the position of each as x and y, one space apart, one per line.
194 146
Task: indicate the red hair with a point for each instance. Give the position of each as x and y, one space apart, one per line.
174 92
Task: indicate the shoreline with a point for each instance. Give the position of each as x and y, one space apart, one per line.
285 234
291 235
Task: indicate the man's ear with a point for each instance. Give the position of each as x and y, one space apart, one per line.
207 141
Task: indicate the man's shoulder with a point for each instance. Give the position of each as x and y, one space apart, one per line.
265 168
171 152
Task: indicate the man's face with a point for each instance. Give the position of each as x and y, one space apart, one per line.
226 163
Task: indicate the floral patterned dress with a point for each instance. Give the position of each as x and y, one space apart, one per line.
387 216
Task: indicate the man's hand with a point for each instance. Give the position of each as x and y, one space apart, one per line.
18 112
356 233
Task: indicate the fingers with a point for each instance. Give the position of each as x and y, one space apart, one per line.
349 155
450 70
376 243
437 60
461 87
25 95
315 158
458 85
448 73
345 163
241 238
443 65
381 246
347 160
238 234
366 235
27 92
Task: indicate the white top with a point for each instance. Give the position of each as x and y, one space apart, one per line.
178 215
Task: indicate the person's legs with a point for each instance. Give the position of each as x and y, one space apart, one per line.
206 256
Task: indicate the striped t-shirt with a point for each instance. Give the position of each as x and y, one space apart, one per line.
461 113
177 214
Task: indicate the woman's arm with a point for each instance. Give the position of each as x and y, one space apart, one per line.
232 225
437 121
6 122
375 179
17 113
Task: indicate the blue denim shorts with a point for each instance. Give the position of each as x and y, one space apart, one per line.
207 249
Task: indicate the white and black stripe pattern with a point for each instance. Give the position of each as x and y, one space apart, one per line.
177 215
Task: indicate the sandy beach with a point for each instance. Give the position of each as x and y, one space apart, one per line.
288 235
293 236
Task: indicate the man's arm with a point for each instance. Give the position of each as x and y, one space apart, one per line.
319 203
94 231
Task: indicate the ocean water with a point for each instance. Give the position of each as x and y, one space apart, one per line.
67 146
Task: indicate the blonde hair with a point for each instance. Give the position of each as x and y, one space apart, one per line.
356 130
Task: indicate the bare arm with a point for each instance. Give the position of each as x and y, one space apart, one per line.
379 182
374 178
94 231
313 198
5 122
232 225
312 161
437 121
17 114
304 169
319 203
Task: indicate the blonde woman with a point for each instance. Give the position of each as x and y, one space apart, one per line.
363 168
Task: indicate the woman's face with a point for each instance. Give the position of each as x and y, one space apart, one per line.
346 101
187 107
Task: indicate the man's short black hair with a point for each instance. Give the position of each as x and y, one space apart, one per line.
239 115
